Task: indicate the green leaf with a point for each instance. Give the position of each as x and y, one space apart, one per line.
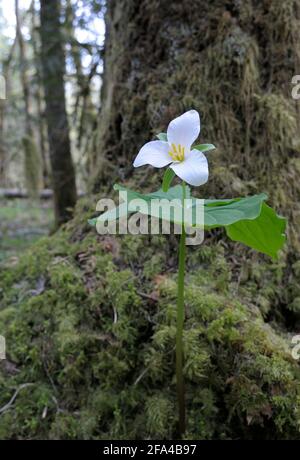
112 214
162 137
247 220
204 147
168 177
219 213
93 221
129 207
171 194
265 233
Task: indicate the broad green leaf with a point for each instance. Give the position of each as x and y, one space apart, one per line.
162 137
247 220
174 194
171 194
265 233
219 213
220 202
168 177
112 214
204 147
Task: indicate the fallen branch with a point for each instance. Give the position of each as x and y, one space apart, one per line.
12 400
11 193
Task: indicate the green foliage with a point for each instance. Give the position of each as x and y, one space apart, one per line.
266 233
167 179
204 147
248 220
162 137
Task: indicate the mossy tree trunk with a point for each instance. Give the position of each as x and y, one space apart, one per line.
39 94
232 61
3 105
53 63
2 147
32 163
23 71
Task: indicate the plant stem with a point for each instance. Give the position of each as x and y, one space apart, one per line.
180 322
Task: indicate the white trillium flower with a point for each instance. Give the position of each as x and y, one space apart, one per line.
187 163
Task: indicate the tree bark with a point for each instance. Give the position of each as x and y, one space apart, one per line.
2 147
231 61
39 96
23 72
3 104
13 193
32 159
53 63
84 108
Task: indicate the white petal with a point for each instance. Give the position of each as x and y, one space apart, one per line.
194 169
185 129
154 153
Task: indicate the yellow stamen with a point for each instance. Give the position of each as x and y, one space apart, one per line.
177 152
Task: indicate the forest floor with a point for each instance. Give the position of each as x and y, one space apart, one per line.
22 222
90 326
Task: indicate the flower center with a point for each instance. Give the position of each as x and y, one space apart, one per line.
177 152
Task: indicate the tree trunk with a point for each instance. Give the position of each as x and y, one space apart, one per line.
84 109
3 105
39 96
170 59
2 148
53 63
231 61
32 159
23 72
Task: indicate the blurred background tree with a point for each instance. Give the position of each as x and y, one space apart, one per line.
53 63
27 163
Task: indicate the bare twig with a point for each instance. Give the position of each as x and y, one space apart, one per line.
11 193
12 400
141 376
148 296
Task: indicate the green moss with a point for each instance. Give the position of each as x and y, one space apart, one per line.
98 345
160 412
